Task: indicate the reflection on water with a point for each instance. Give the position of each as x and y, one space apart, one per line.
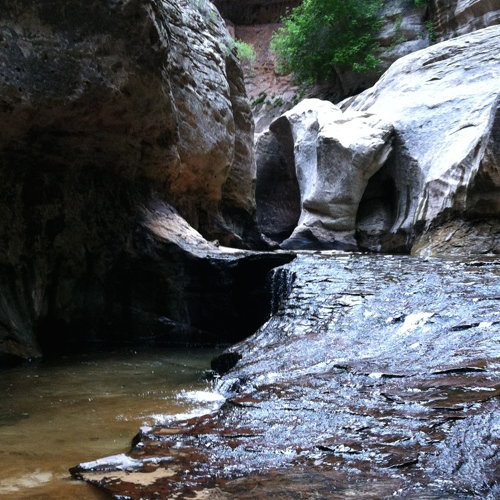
56 414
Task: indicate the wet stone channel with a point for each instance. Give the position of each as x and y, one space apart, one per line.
376 377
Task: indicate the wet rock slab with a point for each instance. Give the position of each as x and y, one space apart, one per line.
376 377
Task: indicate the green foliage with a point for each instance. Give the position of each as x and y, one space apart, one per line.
259 99
419 3
321 35
271 102
246 52
430 29
278 102
398 22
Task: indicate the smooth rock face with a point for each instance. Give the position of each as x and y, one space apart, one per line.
335 154
443 103
110 110
458 17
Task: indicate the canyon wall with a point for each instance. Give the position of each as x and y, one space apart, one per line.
451 18
119 122
405 29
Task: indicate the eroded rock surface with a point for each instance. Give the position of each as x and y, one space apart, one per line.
443 104
378 377
334 155
330 156
110 110
458 17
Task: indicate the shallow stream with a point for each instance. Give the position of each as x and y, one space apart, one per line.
377 377
57 413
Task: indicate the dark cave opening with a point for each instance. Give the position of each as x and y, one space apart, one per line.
376 215
182 302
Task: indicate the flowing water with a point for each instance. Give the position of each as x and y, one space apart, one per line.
377 377
55 414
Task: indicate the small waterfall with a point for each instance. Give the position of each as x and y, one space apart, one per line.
280 285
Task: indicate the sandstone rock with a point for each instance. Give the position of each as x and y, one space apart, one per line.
107 109
459 17
335 154
238 192
404 31
443 103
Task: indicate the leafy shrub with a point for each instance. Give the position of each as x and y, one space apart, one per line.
259 99
430 29
246 52
320 35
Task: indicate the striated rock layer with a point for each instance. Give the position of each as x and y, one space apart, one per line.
112 113
443 104
452 18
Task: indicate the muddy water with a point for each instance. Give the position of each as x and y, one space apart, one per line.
58 413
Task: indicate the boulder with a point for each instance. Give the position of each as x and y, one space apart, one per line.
108 111
335 154
444 104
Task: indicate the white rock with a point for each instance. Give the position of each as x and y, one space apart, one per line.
443 102
335 154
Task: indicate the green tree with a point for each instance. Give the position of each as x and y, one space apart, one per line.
321 35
